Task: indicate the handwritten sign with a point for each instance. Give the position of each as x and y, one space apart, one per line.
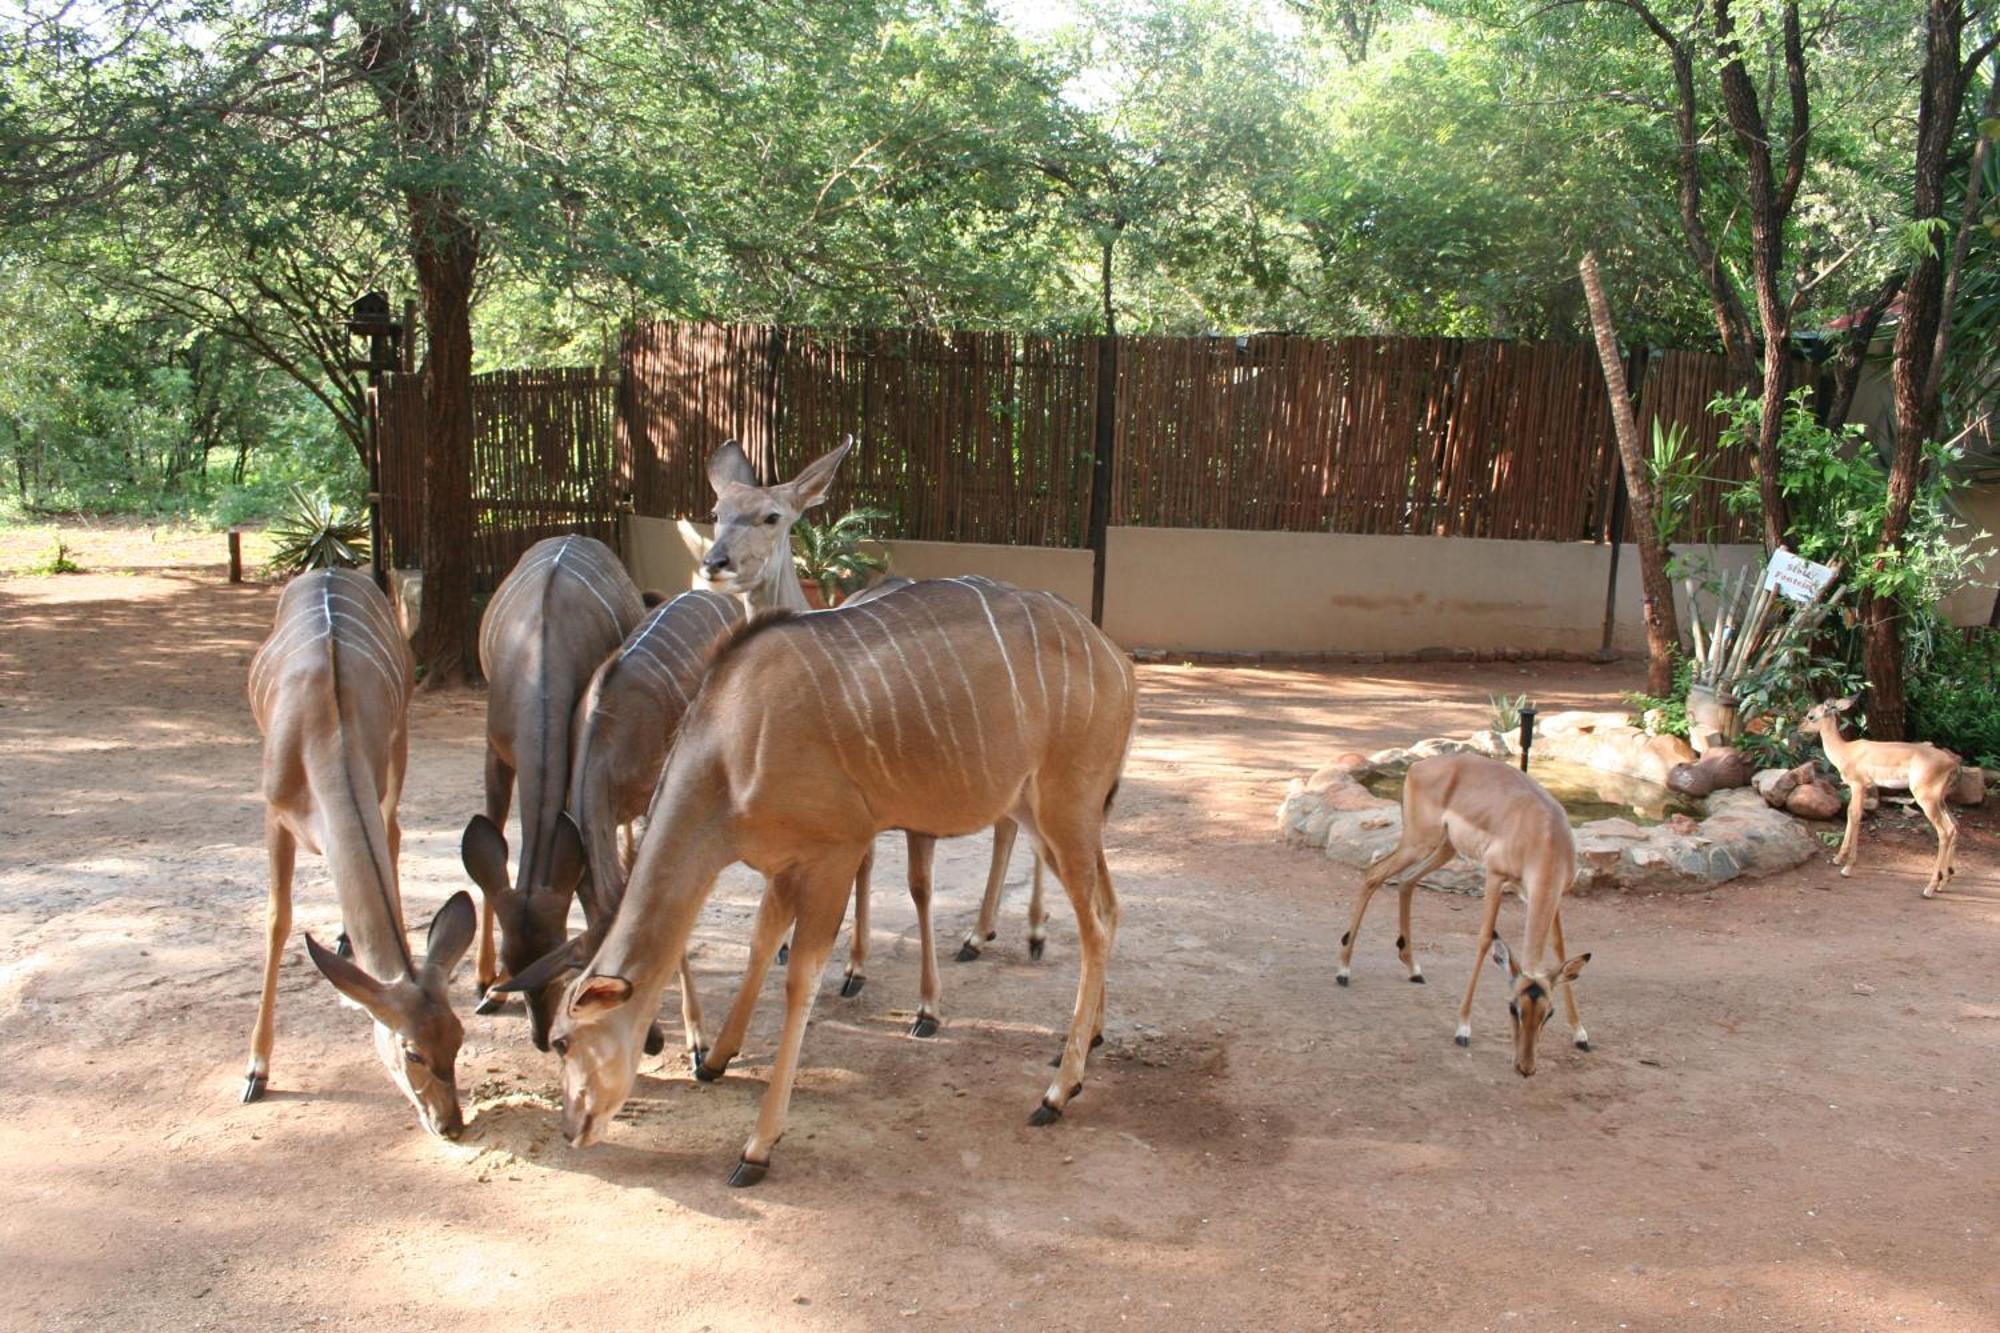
1797 578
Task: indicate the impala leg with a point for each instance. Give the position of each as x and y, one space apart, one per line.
857 948
1850 846
1378 874
283 849
1496 889
1407 890
486 965
1079 864
820 893
1946 827
923 853
774 918
1004 834
1038 914
1581 1037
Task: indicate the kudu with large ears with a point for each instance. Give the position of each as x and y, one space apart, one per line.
751 556
566 606
330 689
962 702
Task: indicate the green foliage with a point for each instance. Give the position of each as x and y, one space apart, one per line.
312 534
832 556
56 561
1506 711
1954 698
1673 709
1676 472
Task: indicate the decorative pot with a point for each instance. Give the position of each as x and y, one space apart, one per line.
1711 718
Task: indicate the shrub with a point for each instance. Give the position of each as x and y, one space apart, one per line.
1954 700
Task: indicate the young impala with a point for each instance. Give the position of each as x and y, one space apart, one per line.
1924 771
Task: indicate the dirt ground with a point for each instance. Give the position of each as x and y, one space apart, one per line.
1788 1120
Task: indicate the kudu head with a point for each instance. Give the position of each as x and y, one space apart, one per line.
416 1034
533 918
1533 1001
752 548
598 1033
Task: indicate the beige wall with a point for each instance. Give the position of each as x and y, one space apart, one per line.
663 555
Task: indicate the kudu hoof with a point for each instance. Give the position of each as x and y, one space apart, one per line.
1045 1114
1583 1045
342 946
696 1054
656 1040
1340 978
1035 950
1417 979
253 1088
706 1074
784 957
851 986
925 1026
1462 1040
748 1173
968 952
493 1002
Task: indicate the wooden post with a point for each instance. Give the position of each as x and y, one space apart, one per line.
1102 473
236 555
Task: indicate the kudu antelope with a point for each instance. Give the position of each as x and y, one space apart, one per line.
330 689
1925 771
1493 814
566 606
751 557
961 702
626 723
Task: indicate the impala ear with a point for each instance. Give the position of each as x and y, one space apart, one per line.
451 933
1502 958
815 479
483 851
599 994
1572 968
1844 704
351 981
730 466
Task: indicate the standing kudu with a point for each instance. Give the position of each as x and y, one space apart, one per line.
626 723
1493 814
962 702
751 557
330 689
1925 771
564 608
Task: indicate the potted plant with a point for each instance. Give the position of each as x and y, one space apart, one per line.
312 534
834 559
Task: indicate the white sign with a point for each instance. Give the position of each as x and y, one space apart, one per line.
1796 577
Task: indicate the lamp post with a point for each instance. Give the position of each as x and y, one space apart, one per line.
369 318
1527 733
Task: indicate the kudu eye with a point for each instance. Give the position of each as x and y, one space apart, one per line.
770 518
560 1046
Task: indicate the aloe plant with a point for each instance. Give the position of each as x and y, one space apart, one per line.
832 556
312 534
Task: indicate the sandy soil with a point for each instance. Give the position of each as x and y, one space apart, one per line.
1788 1120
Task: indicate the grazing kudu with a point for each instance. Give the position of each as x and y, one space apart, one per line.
962 702
1493 814
751 557
330 689
626 723
1925 771
565 607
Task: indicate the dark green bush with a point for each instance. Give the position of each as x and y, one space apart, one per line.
1954 698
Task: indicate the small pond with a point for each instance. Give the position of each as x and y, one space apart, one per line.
1586 793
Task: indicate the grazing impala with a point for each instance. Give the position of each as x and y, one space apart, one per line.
1925 771
811 735
751 557
564 608
1488 812
330 689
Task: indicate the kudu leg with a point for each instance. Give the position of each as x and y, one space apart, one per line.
923 854
697 1047
486 964
1496 889
987 927
857 945
774 918
819 893
1078 861
1577 1033
1038 913
283 849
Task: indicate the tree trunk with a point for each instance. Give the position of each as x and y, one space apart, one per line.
1919 345
1663 633
1103 471
446 252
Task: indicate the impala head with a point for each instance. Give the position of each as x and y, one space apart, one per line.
533 918
598 1034
1533 1001
416 1034
753 524
1828 711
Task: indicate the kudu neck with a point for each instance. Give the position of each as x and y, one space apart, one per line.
780 588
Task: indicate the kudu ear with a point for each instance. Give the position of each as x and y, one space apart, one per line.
451 933
483 850
1573 967
566 857
565 957
1503 958
729 465
815 479
351 981
599 994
